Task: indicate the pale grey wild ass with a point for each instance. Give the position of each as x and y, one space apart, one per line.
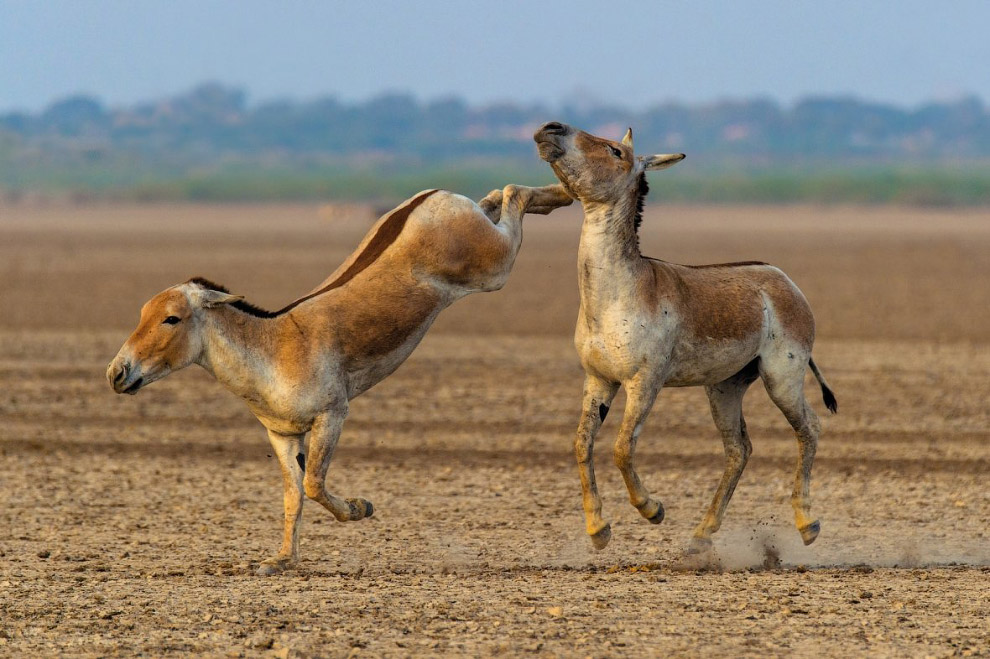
644 324
297 368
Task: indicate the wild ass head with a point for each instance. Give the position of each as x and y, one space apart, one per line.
168 337
594 169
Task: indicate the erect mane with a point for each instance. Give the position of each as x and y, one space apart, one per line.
203 282
641 192
241 305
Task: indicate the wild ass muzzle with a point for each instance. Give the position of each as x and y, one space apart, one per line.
644 324
297 368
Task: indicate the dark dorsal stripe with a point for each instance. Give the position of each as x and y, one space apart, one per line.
708 265
387 234
726 265
246 307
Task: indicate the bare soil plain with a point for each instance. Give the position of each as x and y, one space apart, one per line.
133 525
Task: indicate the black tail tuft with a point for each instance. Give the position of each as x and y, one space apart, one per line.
830 402
827 395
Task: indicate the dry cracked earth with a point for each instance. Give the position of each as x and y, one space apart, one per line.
132 525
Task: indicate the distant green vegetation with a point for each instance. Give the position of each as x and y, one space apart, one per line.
210 145
941 187
360 185
874 186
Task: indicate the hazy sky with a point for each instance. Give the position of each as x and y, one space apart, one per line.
904 52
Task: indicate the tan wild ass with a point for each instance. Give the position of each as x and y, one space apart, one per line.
297 368
645 324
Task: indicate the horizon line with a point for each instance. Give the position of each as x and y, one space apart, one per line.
580 97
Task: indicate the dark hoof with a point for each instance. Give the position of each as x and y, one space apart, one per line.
810 532
601 537
699 546
657 516
359 509
273 566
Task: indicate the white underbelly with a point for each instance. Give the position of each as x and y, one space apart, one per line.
708 363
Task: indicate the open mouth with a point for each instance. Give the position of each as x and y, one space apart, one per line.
133 389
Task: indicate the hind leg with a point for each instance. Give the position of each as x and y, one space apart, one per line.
726 399
320 445
784 380
495 243
539 201
547 199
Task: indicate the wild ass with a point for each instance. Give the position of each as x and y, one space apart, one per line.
298 367
645 324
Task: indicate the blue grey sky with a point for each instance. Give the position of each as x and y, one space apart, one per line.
630 53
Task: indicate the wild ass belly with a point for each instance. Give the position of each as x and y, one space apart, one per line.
380 328
291 405
618 349
696 362
363 374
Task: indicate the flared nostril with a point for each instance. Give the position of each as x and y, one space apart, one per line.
120 374
554 128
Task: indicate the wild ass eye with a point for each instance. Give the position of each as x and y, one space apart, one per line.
617 152
171 320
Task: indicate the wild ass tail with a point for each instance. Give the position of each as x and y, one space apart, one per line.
827 395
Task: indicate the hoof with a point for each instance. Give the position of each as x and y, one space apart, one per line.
699 546
654 518
360 508
601 537
272 566
810 532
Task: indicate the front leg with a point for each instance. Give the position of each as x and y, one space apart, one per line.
289 450
640 395
598 395
319 451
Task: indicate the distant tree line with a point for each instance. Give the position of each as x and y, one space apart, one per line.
213 118
212 130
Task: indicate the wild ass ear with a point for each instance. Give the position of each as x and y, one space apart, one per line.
627 140
661 161
208 298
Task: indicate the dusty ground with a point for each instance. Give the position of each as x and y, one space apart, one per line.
132 525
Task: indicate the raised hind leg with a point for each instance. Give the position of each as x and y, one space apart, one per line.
539 201
496 243
598 395
784 380
546 199
288 449
639 399
725 399
320 445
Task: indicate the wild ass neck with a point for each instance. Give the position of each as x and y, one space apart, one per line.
608 256
237 349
